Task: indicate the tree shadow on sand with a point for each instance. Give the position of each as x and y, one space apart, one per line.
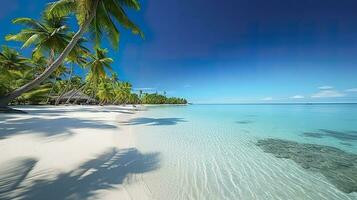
13 174
48 127
59 111
154 121
105 172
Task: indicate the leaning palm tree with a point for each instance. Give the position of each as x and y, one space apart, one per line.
96 16
48 36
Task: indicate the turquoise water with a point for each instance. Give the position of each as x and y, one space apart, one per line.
209 151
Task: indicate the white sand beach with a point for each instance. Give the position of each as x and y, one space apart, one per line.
71 152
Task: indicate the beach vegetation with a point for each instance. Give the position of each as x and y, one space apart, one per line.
57 53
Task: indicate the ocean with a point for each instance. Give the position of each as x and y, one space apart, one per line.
212 151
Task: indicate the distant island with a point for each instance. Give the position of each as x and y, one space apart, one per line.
161 99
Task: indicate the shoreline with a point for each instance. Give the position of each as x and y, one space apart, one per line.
78 145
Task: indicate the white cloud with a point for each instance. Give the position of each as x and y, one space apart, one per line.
351 90
267 99
326 87
324 93
297 97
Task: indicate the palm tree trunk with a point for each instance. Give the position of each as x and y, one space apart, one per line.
92 96
66 88
116 101
81 89
50 93
50 61
4 101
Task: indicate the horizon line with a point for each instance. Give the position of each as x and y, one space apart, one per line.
282 103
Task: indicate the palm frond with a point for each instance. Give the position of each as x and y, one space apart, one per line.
60 8
130 3
29 22
33 39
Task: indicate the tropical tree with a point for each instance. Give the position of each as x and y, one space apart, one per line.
140 93
60 71
10 62
48 35
161 99
105 91
121 92
10 59
78 60
96 16
99 65
16 70
134 98
38 63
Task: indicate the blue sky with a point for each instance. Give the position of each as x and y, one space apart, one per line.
234 51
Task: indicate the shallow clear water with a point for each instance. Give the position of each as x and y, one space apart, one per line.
210 152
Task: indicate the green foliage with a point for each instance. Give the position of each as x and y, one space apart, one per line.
175 100
11 66
36 95
134 99
50 35
98 65
109 13
16 70
105 91
122 91
161 99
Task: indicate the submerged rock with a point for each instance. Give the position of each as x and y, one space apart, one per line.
244 122
339 167
346 144
349 136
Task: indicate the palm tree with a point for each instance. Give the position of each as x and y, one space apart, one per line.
48 35
105 91
121 92
140 93
98 67
10 59
15 71
38 63
95 16
60 71
78 60
10 62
